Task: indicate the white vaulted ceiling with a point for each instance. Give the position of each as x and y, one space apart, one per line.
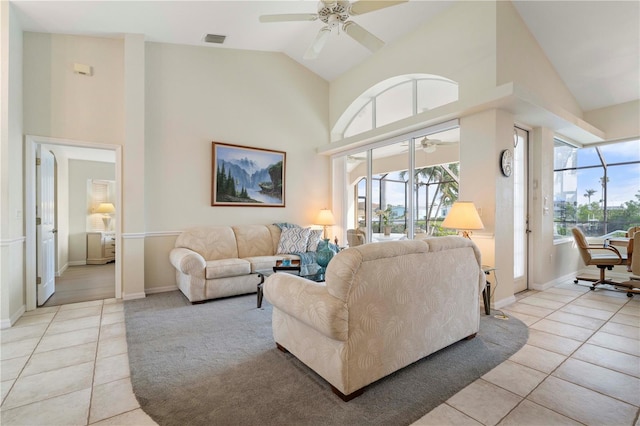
594 45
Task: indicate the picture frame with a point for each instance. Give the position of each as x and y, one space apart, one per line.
246 176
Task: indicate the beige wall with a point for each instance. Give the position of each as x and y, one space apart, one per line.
60 103
12 293
618 122
180 99
196 95
521 60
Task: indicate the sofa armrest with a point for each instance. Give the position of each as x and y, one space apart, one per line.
188 261
309 302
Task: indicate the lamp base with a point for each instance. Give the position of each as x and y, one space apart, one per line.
107 222
324 254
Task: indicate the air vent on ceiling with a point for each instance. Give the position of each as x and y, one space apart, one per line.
214 38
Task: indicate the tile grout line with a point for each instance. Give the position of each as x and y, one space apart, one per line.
95 364
525 398
33 351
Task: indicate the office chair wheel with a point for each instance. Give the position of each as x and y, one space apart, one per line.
593 287
629 294
575 281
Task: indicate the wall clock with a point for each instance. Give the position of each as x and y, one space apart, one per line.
506 162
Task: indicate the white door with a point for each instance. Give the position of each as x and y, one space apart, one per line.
45 225
520 209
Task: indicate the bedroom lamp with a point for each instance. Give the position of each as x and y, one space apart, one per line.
106 209
464 217
325 218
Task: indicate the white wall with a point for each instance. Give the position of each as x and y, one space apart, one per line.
12 294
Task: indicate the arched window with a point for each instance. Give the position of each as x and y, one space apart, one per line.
395 99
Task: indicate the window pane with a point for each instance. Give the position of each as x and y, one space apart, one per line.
433 93
621 152
588 157
564 202
623 197
565 156
394 104
362 122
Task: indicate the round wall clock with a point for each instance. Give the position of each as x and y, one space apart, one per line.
506 162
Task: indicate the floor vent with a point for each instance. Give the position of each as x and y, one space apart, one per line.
214 38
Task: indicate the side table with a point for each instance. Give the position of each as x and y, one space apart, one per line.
486 292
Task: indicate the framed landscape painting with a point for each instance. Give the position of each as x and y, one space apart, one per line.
245 176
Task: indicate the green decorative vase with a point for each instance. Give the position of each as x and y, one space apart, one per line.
323 253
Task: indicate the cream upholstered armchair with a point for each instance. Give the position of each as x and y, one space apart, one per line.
355 237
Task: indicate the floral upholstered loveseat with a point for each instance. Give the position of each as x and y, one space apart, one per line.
383 307
220 261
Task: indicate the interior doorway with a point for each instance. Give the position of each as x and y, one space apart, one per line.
32 144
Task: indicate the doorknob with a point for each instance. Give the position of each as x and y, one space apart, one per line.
54 231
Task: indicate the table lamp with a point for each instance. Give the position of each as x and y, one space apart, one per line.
464 217
106 209
325 218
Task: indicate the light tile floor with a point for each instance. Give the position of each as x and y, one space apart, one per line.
581 365
68 365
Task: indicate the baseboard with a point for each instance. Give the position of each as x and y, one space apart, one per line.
7 323
545 286
504 302
134 296
77 263
161 289
61 271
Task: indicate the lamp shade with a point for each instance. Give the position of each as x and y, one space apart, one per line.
325 218
463 215
105 208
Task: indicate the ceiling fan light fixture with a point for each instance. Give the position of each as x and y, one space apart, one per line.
429 148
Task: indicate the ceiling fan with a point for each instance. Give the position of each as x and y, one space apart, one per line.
334 14
428 145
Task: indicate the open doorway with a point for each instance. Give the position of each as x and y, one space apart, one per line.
77 163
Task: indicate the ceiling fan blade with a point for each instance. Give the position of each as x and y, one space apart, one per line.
366 6
362 36
318 43
289 17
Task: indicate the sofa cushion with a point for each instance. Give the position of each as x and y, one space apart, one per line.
227 268
293 240
211 242
315 235
253 240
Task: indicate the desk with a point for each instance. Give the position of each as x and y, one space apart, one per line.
623 242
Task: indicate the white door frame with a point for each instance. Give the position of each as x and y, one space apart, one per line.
31 143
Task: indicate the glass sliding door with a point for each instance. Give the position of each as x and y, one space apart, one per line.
389 197
402 188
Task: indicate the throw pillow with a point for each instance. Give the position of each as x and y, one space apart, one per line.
293 240
315 235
